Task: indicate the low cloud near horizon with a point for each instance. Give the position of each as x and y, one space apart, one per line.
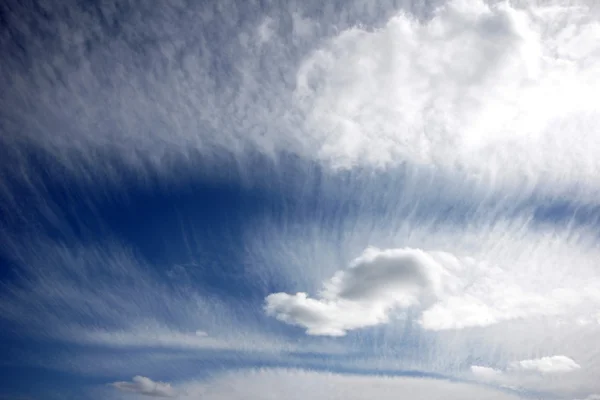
257 384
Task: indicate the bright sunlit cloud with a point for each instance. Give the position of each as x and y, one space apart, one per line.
447 292
365 293
489 92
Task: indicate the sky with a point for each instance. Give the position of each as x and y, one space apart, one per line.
300 199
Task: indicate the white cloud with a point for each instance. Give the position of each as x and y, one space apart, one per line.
485 92
506 284
486 373
147 387
448 292
489 92
546 365
364 294
527 373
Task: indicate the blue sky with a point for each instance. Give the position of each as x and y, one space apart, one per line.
297 199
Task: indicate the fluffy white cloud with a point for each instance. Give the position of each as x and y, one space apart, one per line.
546 365
364 294
147 387
487 91
446 291
490 91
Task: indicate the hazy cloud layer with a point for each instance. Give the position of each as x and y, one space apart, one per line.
292 384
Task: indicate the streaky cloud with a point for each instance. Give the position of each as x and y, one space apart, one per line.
290 384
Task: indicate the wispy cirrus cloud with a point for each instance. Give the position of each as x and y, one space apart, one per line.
487 93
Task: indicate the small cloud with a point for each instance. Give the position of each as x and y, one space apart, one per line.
515 370
266 30
546 365
146 386
486 373
201 334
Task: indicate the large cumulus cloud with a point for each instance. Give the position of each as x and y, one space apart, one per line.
488 91
445 291
365 293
